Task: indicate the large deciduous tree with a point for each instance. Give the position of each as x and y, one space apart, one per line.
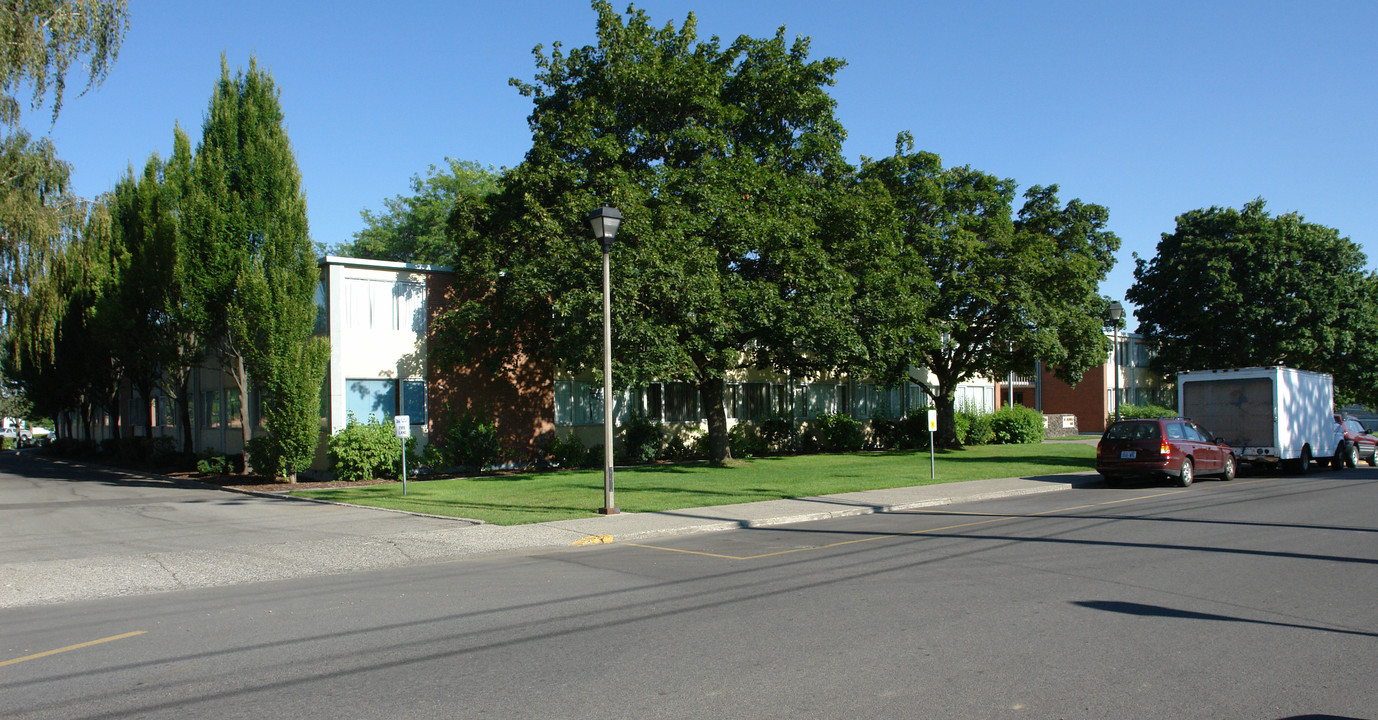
1240 288
726 163
413 228
1009 289
254 258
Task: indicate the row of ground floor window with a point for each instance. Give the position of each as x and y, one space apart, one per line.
580 402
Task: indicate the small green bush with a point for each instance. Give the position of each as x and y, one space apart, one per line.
212 463
1017 425
686 446
363 451
1143 411
974 427
840 433
640 441
566 452
473 443
777 433
745 441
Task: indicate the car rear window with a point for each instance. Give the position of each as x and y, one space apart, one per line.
1133 431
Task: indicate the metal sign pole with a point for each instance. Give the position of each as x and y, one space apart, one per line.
932 427
401 429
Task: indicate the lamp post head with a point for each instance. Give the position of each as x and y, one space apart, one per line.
604 222
1116 312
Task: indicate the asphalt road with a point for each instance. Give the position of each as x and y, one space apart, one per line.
1251 599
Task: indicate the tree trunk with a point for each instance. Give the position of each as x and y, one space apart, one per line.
711 390
247 429
947 421
184 419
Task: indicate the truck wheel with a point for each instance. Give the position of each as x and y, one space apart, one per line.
1185 474
1303 465
1352 456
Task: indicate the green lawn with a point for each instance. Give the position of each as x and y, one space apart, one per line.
561 495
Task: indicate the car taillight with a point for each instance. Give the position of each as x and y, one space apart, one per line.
1165 450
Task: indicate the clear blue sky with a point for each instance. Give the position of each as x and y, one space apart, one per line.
1148 108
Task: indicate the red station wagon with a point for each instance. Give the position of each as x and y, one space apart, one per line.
1174 448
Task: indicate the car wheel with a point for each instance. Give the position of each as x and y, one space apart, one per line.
1373 458
1228 473
1352 456
1185 473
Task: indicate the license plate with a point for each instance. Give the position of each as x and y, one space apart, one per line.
1128 454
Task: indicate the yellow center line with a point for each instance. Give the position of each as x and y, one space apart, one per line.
921 532
78 646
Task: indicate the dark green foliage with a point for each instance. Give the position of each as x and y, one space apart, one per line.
413 229
727 163
974 427
363 451
1128 411
257 266
566 452
212 463
1241 288
641 441
839 432
471 442
745 441
777 432
1017 425
1011 288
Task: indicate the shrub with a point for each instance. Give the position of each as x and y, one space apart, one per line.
1017 425
1143 411
745 441
566 452
593 456
840 433
471 442
978 428
212 463
640 441
686 446
362 451
777 433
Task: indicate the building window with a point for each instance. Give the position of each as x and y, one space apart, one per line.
681 402
385 305
371 399
578 403
211 409
233 418
414 401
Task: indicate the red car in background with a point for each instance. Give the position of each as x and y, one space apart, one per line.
1358 444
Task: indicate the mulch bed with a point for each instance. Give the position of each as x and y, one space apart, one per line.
263 483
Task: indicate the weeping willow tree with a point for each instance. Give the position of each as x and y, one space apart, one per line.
40 42
50 276
56 345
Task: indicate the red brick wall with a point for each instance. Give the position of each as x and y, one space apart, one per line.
1087 399
517 393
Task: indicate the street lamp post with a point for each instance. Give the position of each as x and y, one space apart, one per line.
605 221
1116 312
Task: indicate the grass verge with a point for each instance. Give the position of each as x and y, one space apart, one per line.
544 496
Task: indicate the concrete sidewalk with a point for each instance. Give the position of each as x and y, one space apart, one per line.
70 579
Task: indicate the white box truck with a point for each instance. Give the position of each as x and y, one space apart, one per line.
1269 415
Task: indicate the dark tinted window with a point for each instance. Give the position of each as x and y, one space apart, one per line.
1133 431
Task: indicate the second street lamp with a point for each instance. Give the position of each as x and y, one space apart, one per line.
604 222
